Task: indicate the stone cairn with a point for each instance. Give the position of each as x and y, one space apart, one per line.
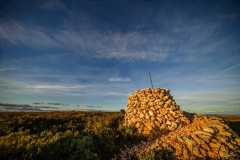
151 110
188 137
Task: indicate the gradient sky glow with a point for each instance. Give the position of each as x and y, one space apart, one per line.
97 52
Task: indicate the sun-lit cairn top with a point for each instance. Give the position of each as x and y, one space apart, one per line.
152 110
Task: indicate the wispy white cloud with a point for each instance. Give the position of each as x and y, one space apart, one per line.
20 34
183 42
48 87
219 101
97 93
6 69
135 45
230 68
128 46
207 96
8 86
119 79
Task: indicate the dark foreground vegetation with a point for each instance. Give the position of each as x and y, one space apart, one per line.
68 135
63 135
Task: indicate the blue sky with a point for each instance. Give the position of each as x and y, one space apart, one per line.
97 52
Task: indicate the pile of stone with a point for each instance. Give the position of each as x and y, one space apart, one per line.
152 110
205 138
198 137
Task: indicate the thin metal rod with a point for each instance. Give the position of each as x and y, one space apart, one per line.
150 77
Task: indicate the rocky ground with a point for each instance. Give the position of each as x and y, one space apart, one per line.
178 135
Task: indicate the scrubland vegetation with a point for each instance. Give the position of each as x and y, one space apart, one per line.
63 135
66 135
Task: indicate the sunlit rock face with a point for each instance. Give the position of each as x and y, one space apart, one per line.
187 137
154 110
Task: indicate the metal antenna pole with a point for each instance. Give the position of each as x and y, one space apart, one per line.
150 78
